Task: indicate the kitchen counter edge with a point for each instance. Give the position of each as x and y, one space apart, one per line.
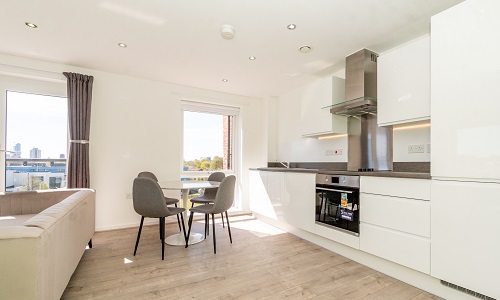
333 172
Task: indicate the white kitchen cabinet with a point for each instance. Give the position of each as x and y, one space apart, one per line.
299 200
259 199
465 74
465 235
403 83
284 196
265 194
275 191
395 220
321 93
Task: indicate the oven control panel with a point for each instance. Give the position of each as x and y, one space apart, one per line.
338 180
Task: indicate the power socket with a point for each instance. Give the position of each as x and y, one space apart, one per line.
416 149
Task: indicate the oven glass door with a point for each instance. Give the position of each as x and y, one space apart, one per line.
338 207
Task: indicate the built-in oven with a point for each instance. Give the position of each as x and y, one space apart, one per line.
337 202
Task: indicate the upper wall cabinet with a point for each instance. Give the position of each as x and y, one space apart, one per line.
315 119
403 83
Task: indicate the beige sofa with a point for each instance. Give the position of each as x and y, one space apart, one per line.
43 235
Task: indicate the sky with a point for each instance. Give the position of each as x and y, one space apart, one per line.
37 121
202 135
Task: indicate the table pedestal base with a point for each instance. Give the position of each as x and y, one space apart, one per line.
178 239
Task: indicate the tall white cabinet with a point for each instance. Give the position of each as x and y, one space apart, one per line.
465 157
321 93
465 96
403 83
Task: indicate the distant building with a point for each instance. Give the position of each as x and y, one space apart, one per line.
17 151
62 156
35 153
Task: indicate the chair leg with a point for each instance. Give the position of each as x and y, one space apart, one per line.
178 221
229 228
206 225
189 228
222 218
183 226
213 231
138 235
90 244
162 229
159 226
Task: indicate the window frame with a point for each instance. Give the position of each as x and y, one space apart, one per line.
224 110
48 86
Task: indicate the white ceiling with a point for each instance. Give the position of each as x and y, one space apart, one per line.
179 41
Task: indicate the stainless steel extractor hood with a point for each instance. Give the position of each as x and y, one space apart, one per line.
360 85
369 146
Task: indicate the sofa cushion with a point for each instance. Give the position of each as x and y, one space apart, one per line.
18 220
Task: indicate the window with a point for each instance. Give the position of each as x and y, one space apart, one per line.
36 140
208 139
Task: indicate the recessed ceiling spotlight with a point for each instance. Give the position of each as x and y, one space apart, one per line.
291 26
122 45
252 58
30 25
225 80
305 49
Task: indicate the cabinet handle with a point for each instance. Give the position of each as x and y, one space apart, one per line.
333 190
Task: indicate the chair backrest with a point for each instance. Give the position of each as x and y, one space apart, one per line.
148 175
216 176
148 198
211 192
225 195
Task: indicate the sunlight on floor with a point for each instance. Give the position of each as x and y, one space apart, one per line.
258 228
249 223
127 261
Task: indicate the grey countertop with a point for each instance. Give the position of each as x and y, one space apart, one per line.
415 175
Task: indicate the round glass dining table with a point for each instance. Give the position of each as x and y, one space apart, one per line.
184 186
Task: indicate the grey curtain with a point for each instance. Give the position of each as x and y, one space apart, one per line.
79 104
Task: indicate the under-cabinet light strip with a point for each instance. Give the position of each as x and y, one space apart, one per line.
331 136
412 126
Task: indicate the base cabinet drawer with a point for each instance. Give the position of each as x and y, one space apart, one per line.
397 187
405 249
401 214
337 236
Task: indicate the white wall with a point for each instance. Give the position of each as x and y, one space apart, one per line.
136 126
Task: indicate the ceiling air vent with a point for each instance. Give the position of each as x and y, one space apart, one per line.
467 291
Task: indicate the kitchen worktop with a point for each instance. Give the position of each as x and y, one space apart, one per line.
416 175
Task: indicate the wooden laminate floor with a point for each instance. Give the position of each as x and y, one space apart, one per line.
262 263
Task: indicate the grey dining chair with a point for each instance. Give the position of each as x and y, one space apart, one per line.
149 202
223 201
209 196
168 201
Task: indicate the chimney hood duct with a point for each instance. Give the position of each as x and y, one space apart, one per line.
369 146
360 85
